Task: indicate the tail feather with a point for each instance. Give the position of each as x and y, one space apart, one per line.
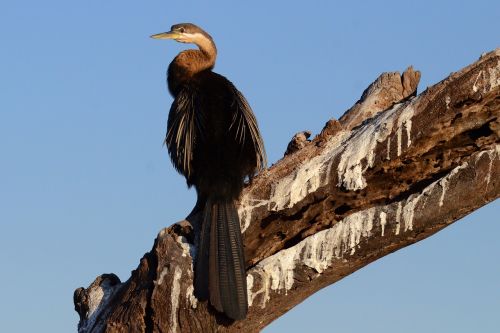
237 273
217 272
225 263
202 258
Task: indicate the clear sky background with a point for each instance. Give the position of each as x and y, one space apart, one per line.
85 183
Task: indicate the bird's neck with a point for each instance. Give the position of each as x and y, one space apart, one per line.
194 61
190 62
209 53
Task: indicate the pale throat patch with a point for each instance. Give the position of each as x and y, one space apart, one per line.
192 38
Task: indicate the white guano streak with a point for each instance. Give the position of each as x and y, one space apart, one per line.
383 221
388 148
247 205
352 146
398 218
361 146
98 299
306 178
188 251
316 252
493 155
186 247
489 80
319 250
408 210
95 298
443 182
163 273
494 72
174 298
192 301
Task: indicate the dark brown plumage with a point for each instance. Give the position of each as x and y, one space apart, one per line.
214 141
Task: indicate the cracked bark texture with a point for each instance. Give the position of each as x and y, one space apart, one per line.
395 169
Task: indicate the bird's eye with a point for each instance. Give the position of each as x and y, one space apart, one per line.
181 30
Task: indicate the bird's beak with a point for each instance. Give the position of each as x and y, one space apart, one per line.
167 35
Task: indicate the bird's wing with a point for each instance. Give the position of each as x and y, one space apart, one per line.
245 124
182 128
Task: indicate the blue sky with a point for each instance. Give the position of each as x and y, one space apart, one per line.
86 183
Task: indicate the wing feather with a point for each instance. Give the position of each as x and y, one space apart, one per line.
246 124
182 129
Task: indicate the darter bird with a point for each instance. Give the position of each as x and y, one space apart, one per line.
214 141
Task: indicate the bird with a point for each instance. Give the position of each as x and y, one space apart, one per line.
214 141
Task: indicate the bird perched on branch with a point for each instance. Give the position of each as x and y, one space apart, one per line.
214 141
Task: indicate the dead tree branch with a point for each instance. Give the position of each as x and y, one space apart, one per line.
392 171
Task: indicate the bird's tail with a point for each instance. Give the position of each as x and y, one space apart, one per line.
220 266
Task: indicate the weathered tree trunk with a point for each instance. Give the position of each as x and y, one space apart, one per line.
392 171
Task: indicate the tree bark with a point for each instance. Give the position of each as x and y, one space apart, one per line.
395 169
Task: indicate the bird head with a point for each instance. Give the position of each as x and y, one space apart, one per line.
185 33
